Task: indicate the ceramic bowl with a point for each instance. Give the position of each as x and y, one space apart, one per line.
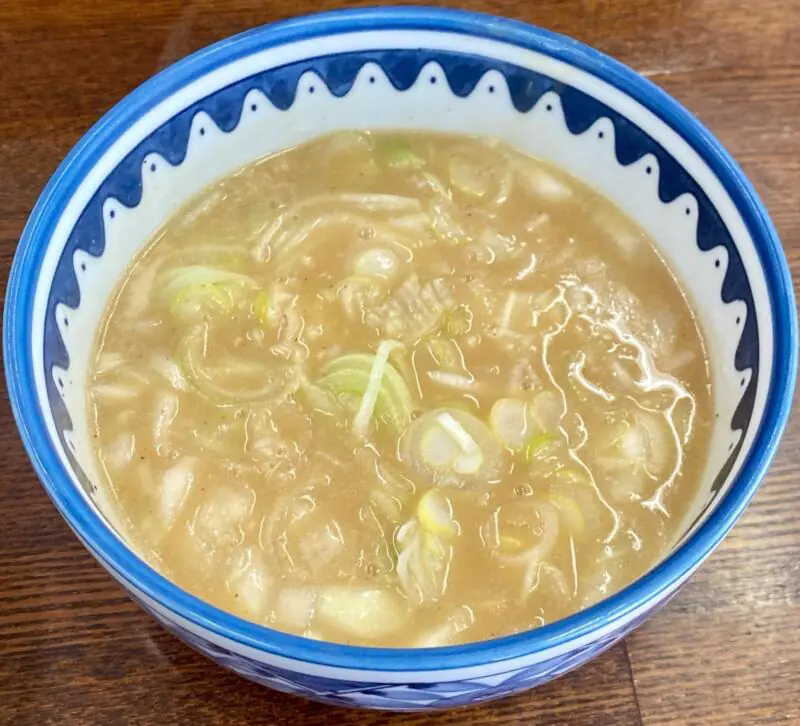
453 71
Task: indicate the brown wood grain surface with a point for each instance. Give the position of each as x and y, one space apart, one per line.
75 650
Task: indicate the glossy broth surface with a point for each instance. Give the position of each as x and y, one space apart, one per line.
402 390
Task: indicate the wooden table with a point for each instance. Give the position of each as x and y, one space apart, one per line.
75 650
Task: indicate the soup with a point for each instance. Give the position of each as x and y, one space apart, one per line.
401 390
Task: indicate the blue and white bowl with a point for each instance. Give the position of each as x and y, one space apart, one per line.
426 69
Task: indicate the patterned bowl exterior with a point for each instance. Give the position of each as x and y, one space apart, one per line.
409 696
380 678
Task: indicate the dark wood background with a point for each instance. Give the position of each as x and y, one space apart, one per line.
75 650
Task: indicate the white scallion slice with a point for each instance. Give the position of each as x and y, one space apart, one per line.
466 443
437 447
453 447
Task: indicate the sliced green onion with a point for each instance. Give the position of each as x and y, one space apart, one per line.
437 448
270 305
349 377
193 289
435 514
453 446
465 442
365 411
319 398
468 463
193 300
470 459
397 154
422 563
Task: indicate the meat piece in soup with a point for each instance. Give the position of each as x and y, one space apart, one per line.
401 390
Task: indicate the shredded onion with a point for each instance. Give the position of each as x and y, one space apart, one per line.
365 612
165 414
171 371
283 235
115 392
548 515
422 563
175 486
120 453
280 380
457 622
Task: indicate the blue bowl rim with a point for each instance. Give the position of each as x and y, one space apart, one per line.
116 556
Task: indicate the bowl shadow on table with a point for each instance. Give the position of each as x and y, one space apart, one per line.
599 693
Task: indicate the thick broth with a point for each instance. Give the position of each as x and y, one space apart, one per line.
526 446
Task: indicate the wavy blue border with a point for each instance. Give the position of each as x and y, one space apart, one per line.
649 589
